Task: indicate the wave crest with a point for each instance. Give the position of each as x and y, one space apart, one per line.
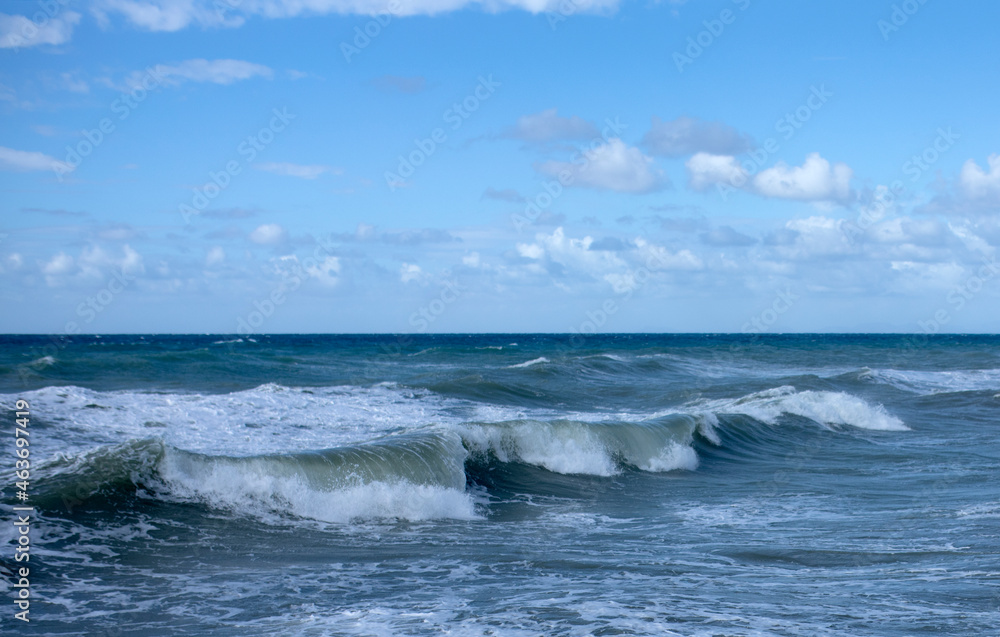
824 407
599 449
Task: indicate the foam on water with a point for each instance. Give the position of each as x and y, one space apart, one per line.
275 510
43 362
938 382
562 449
536 361
674 456
824 407
980 511
269 418
253 490
586 448
412 477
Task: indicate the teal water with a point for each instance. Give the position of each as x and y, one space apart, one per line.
509 484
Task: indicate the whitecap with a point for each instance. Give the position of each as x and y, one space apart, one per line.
536 361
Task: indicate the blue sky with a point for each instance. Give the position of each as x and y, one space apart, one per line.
518 165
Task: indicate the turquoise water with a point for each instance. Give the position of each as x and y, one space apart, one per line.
510 484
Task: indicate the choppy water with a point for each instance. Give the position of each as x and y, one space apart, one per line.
509 484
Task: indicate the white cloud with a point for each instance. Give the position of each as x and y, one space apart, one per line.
326 272
532 250
93 264
72 83
411 272
816 236
726 236
903 230
548 126
61 263
662 259
298 170
686 136
215 256
201 70
566 258
611 166
706 170
23 161
132 261
173 15
268 233
169 15
573 253
19 31
920 276
979 184
815 180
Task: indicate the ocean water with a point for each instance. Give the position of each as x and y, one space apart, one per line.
508 484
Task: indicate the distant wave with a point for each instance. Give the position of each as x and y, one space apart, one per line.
536 361
44 361
824 407
937 382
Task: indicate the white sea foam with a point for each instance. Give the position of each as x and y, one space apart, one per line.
674 456
597 449
266 496
537 361
267 419
558 447
269 487
979 511
43 362
939 382
825 407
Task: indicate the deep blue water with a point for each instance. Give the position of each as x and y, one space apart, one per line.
508 484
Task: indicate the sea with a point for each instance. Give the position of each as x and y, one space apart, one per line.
504 484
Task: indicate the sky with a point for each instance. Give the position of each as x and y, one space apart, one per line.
334 166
